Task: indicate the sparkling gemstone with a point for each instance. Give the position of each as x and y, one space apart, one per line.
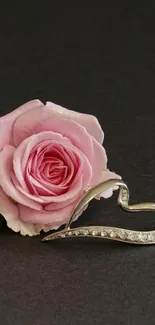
85 232
94 233
103 234
112 234
151 237
76 232
69 233
122 234
62 235
142 237
132 236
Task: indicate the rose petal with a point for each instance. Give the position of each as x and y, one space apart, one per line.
7 208
27 123
6 162
90 122
71 130
10 212
76 188
46 217
99 163
107 175
23 227
6 122
59 205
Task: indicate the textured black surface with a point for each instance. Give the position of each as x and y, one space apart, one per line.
100 61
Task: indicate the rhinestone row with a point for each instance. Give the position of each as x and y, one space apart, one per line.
124 197
118 234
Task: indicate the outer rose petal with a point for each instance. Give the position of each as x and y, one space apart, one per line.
6 122
70 129
10 212
55 217
107 175
6 161
90 122
59 205
55 226
26 124
99 163
7 208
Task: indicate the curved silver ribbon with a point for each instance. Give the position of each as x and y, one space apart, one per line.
112 233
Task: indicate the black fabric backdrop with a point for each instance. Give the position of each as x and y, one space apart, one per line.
99 61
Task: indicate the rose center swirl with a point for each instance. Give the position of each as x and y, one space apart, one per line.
50 170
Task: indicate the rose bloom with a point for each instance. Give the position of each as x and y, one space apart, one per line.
49 157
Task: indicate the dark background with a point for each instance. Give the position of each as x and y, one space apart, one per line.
99 61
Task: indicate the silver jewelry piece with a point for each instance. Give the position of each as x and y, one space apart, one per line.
111 233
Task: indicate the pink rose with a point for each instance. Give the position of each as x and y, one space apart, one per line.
49 157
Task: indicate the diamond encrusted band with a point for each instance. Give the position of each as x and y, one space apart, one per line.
123 235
